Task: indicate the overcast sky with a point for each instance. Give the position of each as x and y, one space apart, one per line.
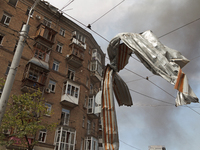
150 122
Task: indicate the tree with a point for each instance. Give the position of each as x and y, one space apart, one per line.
23 120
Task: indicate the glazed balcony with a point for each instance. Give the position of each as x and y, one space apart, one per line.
91 108
45 34
96 71
70 96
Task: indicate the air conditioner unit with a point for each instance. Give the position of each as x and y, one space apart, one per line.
38 17
7 131
48 90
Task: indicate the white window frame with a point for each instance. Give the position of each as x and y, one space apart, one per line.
61 132
5 20
66 114
59 47
71 74
42 133
51 84
55 66
72 90
49 106
62 32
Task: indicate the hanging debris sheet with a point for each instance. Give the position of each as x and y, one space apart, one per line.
156 57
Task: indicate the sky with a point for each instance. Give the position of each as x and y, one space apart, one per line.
149 121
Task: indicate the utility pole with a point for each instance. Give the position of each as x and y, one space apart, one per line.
14 65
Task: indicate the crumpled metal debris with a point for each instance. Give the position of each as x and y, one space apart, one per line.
156 57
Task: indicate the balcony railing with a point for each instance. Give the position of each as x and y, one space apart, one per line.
91 132
46 34
69 100
29 85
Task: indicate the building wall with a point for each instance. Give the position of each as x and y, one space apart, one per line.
10 32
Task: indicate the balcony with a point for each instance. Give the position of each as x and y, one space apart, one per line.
91 108
75 56
91 143
46 35
74 60
91 132
31 86
69 101
34 77
94 75
70 96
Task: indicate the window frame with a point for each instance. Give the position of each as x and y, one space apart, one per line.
55 66
49 107
59 47
50 85
5 19
71 74
66 118
71 89
41 132
62 32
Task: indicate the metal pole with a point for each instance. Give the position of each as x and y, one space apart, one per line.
14 65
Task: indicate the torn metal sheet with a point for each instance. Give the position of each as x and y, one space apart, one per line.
156 57
109 120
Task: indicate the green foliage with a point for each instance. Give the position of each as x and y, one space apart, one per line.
24 117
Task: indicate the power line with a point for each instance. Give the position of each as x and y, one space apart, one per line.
107 12
178 28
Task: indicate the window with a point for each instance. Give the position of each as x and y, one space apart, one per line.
42 135
88 126
96 55
5 19
33 75
71 89
85 102
65 117
82 142
71 74
93 127
1 39
13 2
90 105
8 68
52 85
48 106
78 36
59 47
28 10
62 32
47 22
15 46
65 139
91 143
83 122
55 65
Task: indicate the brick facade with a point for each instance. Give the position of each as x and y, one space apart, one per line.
76 55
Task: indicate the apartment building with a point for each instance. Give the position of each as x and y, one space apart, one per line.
65 62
